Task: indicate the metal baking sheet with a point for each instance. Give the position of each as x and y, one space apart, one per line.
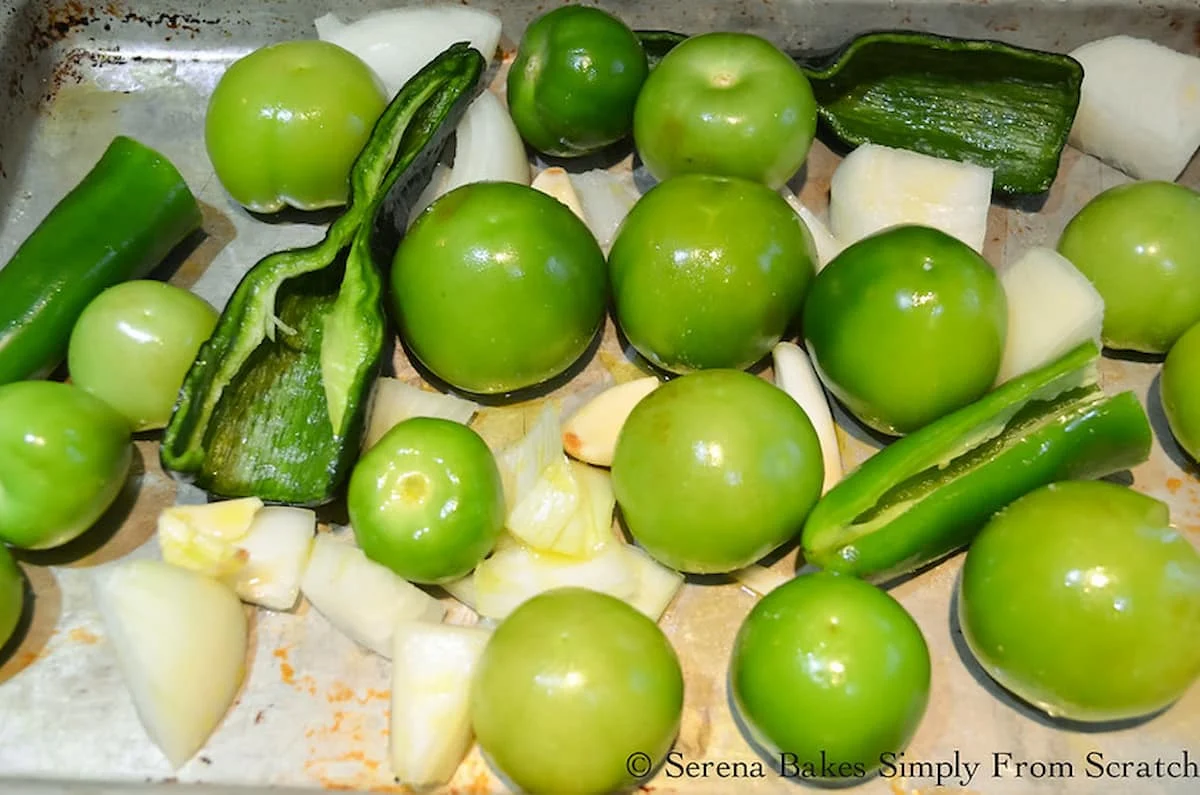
313 710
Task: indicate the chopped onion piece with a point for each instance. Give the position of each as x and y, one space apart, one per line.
876 187
540 518
517 573
606 199
795 375
204 537
657 584
522 464
180 639
1139 106
277 549
463 589
397 43
430 720
395 401
361 598
258 551
1052 308
488 146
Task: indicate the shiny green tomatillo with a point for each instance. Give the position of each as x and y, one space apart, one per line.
576 77
64 456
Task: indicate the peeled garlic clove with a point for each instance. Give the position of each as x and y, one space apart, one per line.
555 181
180 640
795 375
590 434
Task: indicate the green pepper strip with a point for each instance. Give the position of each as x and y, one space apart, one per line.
254 416
928 494
994 104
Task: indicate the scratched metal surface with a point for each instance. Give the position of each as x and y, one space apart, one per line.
313 711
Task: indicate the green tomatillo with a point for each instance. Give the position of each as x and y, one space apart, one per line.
573 84
576 692
133 346
1139 244
286 122
715 469
1179 384
1082 599
830 673
709 272
498 287
64 456
427 500
731 104
906 326
12 595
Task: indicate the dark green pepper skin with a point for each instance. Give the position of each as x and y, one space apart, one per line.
274 406
986 102
901 510
117 224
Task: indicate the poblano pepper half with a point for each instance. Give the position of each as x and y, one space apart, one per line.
274 405
928 494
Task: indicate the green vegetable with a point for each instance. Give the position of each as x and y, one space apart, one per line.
985 102
120 221
1083 600
596 688
929 493
133 345
12 596
427 500
573 84
64 456
285 123
274 405
831 674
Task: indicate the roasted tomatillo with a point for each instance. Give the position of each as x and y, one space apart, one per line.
64 456
1139 244
1179 385
133 345
427 500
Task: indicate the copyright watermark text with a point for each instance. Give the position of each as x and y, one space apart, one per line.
955 769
